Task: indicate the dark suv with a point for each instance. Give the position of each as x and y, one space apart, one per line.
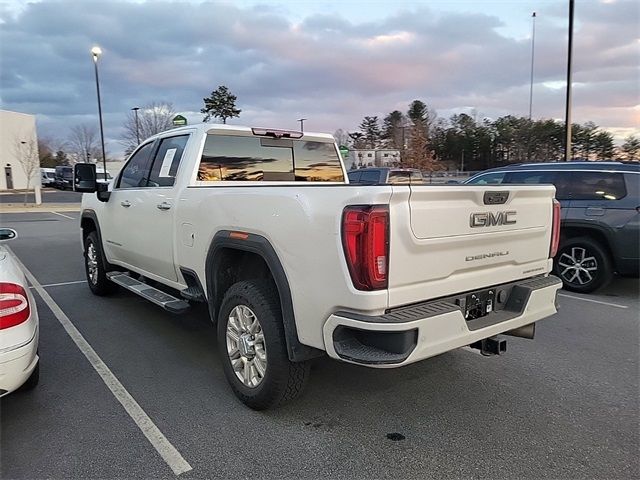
385 175
600 230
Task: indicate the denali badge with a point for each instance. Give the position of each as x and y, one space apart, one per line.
489 219
482 256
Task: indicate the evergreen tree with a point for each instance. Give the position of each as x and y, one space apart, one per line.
220 104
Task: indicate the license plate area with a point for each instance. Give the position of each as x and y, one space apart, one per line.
478 304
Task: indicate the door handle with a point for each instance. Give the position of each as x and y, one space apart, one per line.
164 206
125 203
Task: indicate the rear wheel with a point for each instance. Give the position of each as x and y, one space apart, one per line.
253 349
583 265
95 269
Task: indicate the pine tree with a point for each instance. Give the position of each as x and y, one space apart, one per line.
220 104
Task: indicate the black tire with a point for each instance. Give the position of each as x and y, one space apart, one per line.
283 380
596 271
99 284
32 381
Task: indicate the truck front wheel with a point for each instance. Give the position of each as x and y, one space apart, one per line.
253 349
94 266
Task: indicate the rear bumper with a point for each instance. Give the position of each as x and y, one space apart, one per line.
414 333
17 365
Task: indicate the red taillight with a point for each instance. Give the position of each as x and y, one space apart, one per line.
365 238
14 305
555 229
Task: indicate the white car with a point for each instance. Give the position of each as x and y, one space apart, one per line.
19 361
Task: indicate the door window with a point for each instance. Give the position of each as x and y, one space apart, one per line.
371 176
136 172
533 177
167 160
354 177
494 178
597 186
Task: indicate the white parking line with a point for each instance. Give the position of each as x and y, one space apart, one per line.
592 301
62 215
167 451
60 284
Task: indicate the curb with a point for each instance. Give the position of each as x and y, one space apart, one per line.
45 207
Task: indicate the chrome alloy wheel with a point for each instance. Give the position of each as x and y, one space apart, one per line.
577 267
245 346
92 263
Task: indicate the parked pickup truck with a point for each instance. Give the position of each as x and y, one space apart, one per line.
293 262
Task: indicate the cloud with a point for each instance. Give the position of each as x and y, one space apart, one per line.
329 68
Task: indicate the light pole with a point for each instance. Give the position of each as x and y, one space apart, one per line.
533 47
135 109
301 120
95 53
567 152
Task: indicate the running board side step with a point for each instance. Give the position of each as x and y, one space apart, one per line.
160 298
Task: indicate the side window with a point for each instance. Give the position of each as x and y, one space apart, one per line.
370 176
533 177
167 160
597 186
354 177
136 171
494 178
563 182
316 162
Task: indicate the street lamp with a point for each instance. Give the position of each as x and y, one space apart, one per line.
533 47
135 109
567 121
301 120
95 53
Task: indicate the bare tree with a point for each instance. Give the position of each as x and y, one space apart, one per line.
419 154
153 118
342 137
26 151
83 143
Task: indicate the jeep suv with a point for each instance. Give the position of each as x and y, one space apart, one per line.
600 216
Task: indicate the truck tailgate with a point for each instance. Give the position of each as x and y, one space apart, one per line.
447 239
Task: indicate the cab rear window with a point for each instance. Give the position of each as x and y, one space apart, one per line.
251 159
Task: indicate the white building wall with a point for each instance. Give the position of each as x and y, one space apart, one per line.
16 127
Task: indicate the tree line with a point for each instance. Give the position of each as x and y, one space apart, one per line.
425 141
462 142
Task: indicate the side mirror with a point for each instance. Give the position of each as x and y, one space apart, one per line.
84 178
7 234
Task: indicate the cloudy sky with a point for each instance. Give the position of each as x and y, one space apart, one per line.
329 61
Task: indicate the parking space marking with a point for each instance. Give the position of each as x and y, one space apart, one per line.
165 449
61 284
62 215
593 301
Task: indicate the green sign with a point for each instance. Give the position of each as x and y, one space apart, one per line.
344 151
179 121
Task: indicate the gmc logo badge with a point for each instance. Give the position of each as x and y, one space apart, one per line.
489 219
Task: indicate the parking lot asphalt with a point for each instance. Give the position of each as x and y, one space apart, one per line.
564 405
49 195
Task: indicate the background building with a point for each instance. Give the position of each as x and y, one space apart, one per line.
381 157
18 151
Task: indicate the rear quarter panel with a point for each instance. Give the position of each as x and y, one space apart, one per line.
303 225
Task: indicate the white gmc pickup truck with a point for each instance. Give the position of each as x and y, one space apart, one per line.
263 226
